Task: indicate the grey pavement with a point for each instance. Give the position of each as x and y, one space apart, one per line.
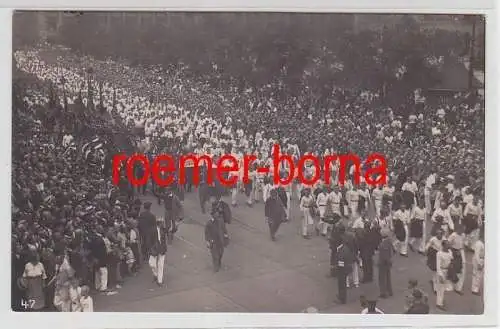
259 275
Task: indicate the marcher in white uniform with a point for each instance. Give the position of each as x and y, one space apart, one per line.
434 245
353 200
388 192
472 222
443 262
335 197
429 183
443 212
456 241
401 220
418 228
321 203
306 202
455 210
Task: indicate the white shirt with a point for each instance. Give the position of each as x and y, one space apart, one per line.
67 139
435 244
431 180
455 211
87 304
411 187
403 216
419 213
456 240
133 236
358 223
322 200
445 214
443 261
471 209
306 202
335 201
378 194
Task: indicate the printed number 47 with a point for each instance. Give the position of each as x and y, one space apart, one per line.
28 304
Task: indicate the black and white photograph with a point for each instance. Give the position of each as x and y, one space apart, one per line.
89 87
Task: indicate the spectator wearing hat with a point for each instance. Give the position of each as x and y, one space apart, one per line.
158 250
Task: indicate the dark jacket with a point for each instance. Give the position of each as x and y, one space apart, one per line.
335 239
274 209
173 208
226 211
282 195
368 242
147 221
214 232
344 258
98 251
158 244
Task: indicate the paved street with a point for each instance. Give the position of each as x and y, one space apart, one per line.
260 275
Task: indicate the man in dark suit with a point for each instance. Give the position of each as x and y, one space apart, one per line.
214 236
344 260
334 241
275 213
158 244
147 221
386 251
173 212
367 245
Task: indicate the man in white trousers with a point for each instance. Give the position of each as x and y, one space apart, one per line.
443 262
457 244
158 250
321 203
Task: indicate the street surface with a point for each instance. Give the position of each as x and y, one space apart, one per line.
259 275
